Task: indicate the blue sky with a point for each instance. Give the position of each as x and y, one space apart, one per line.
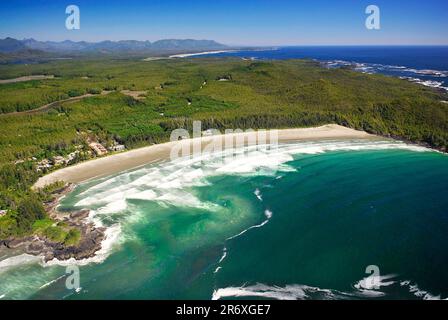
243 22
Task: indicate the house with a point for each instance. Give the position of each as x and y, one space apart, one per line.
98 148
3 212
43 165
58 160
118 147
71 156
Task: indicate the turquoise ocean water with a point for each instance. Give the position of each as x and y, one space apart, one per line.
302 221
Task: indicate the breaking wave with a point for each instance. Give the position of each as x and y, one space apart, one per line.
425 77
304 292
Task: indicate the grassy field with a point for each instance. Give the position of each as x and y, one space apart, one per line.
278 94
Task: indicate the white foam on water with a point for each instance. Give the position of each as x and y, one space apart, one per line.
113 207
370 286
144 195
401 72
419 293
301 292
170 183
21 281
362 289
20 260
110 242
268 215
257 193
224 255
288 292
49 283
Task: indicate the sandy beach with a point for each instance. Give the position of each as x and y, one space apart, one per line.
27 78
186 55
115 163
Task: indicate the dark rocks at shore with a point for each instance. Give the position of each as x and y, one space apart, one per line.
17 243
90 242
79 215
88 246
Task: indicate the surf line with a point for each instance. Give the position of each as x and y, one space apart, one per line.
268 215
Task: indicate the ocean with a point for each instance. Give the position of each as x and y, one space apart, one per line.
426 65
306 220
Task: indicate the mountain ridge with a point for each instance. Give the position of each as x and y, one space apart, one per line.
11 45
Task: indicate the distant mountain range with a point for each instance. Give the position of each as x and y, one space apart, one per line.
10 45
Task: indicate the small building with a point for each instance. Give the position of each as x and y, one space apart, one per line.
72 156
98 148
43 165
3 212
58 160
118 147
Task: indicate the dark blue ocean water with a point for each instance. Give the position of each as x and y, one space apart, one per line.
427 65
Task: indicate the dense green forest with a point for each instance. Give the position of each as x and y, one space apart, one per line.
223 93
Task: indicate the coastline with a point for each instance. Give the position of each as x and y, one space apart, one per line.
186 55
95 238
90 243
116 163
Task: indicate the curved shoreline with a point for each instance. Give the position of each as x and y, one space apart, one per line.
93 237
116 163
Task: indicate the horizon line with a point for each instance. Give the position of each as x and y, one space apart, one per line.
249 46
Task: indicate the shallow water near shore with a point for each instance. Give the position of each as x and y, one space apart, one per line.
302 221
